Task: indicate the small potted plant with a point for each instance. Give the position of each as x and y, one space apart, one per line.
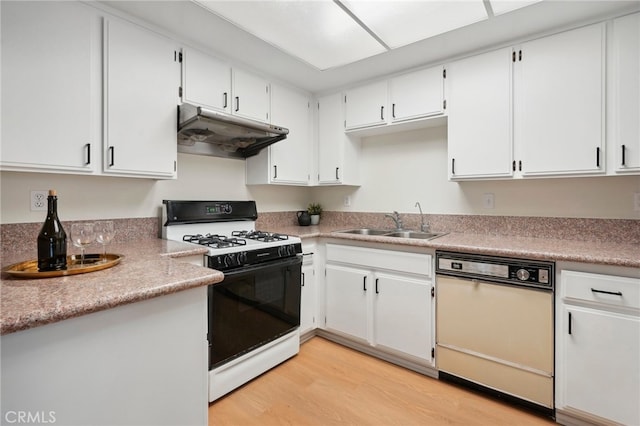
315 210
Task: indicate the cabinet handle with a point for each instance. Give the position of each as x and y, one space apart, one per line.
87 148
393 110
623 153
377 292
275 172
513 56
519 165
569 330
514 165
598 157
337 173
519 55
615 293
453 166
224 102
237 103
112 156
382 113
303 279
364 283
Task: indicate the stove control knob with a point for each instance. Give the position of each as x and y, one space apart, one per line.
522 274
242 257
229 260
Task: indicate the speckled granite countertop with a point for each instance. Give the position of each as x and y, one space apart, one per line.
604 253
150 268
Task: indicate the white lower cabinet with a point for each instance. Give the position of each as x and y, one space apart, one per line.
309 298
598 348
346 300
400 319
381 298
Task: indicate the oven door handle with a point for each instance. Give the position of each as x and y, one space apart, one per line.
289 261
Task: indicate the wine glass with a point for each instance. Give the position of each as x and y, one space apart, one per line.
82 235
104 232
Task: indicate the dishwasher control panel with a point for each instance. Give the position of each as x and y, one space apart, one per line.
530 273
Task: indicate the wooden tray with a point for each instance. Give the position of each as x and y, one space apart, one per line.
92 263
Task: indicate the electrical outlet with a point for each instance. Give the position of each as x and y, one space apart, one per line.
488 201
347 201
39 201
636 201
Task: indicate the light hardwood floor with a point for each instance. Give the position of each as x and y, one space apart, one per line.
328 384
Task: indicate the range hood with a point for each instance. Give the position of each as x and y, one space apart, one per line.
208 132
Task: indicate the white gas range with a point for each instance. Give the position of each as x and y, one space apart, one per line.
254 313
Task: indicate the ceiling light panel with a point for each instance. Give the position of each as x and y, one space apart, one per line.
403 22
317 32
503 6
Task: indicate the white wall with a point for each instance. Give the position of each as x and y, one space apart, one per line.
400 169
96 197
397 170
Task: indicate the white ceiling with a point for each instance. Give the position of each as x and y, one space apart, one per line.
201 28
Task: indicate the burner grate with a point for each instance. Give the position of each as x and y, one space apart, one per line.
214 240
266 237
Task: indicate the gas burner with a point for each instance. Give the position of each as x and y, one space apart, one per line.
266 237
214 241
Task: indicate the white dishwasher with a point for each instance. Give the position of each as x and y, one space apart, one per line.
495 326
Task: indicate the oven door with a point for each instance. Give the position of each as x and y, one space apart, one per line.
253 306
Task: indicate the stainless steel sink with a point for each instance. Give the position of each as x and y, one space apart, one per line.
366 231
391 233
413 234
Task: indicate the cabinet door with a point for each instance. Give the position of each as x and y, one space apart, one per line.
331 138
601 367
365 105
290 158
417 94
308 299
559 95
141 94
206 81
402 314
251 96
480 115
626 92
346 300
50 87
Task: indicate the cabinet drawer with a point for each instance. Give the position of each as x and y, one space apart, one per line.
411 263
605 289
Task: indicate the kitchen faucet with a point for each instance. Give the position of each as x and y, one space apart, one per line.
396 218
424 227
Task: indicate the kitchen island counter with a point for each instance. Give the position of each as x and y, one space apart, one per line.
150 268
595 252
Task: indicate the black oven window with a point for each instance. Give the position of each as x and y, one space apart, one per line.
249 309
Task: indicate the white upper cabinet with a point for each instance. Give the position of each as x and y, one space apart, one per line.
141 78
206 81
288 161
626 93
365 105
560 103
541 114
388 104
337 151
50 87
250 96
417 94
479 116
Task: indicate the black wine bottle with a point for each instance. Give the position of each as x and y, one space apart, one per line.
52 240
